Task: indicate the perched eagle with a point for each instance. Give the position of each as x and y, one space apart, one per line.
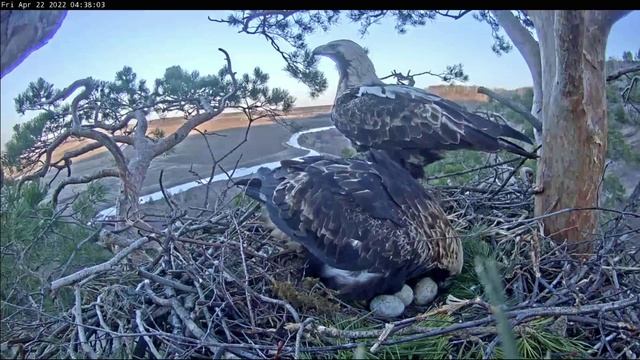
367 225
413 126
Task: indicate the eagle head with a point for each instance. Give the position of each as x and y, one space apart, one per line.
354 66
338 49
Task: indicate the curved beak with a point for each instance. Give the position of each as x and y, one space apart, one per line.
321 50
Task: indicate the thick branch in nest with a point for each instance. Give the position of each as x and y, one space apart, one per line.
82 337
100 268
474 326
197 287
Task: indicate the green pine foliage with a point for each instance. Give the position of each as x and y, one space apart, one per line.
40 244
108 102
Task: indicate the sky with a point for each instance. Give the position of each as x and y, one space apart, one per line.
99 43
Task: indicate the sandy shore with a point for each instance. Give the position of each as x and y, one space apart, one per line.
221 122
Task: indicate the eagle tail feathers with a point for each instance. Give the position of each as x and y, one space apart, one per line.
495 129
508 131
258 187
516 149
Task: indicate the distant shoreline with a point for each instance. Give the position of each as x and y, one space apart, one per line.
221 122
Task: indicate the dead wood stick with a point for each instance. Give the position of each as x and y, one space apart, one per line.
167 282
474 326
299 334
96 269
82 337
146 338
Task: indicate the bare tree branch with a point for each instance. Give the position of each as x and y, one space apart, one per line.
522 39
447 13
117 126
146 338
68 155
47 162
88 84
110 144
82 180
82 337
166 282
100 268
124 139
617 74
184 130
254 14
528 48
452 73
66 159
537 124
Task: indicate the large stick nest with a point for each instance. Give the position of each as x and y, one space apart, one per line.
221 286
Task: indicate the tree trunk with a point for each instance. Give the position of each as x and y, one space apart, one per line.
574 115
536 110
128 205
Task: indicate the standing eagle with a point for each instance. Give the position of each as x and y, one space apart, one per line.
413 126
367 225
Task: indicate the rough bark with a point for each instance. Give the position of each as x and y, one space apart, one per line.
23 32
128 204
574 115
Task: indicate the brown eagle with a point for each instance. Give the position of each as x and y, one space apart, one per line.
367 226
413 126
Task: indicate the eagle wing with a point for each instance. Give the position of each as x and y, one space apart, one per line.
392 117
341 211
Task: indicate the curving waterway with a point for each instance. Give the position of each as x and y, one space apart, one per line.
239 172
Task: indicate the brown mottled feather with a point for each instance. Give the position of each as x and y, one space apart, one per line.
413 126
415 129
361 216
